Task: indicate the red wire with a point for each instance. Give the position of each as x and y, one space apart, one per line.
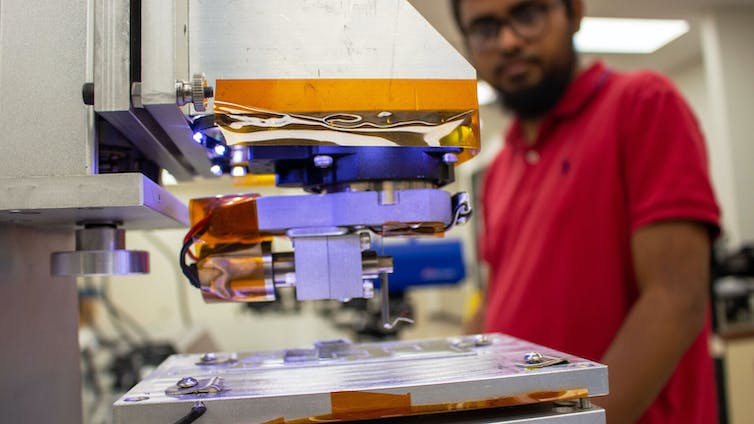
199 227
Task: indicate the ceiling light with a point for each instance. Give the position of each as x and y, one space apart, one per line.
485 93
166 178
613 35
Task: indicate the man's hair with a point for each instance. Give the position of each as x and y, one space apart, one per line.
456 5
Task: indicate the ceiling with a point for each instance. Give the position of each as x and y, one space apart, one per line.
685 50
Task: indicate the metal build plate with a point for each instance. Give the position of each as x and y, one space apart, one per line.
342 382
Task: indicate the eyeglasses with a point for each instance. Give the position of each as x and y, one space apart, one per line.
527 20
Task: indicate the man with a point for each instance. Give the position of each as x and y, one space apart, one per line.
598 213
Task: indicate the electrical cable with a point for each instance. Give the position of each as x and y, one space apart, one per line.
190 271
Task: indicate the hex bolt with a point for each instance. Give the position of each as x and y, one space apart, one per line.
187 382
323 161
533 358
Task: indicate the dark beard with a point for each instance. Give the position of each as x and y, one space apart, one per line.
537 101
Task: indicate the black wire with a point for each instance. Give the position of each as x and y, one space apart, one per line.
91 379
189 271
197 410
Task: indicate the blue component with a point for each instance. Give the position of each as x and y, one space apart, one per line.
294 166
424 263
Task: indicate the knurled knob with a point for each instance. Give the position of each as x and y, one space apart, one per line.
200 92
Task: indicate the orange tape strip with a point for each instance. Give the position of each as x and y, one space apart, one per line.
354 406
348 95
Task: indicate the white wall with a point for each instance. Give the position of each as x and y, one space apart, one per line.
727 33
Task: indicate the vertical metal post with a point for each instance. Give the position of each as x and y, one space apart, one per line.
41 381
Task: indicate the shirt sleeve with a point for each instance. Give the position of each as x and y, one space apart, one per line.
664 157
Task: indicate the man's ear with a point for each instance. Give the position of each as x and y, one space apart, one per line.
578 14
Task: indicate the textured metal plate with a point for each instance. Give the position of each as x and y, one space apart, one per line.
262 387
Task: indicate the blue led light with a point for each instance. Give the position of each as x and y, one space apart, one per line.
220 149
198 137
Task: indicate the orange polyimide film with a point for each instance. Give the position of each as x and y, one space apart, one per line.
348 406
331 95
364 405
350 112
232 219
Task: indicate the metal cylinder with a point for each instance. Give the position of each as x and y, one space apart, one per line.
100 251
100 238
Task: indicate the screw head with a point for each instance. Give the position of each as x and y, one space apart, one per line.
323 161
208 357
533 358
449 158
482 340
187 382
136 398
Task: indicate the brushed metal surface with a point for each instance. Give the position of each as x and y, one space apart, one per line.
318 39
41 380
280 213
43 65
164 60
93 263
263 386
63 201
112 57
539 414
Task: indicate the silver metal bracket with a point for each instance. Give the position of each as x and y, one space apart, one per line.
462 210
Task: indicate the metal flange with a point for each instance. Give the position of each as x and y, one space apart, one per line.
100 250
90 263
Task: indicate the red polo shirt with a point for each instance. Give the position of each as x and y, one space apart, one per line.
618 152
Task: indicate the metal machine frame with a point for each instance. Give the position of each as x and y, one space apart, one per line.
115 74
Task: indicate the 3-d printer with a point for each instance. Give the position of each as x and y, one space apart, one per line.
360 103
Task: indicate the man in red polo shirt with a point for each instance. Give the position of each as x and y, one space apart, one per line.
598 213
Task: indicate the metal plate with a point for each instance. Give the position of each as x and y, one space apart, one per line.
61 202
279 213
540 414
262 387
